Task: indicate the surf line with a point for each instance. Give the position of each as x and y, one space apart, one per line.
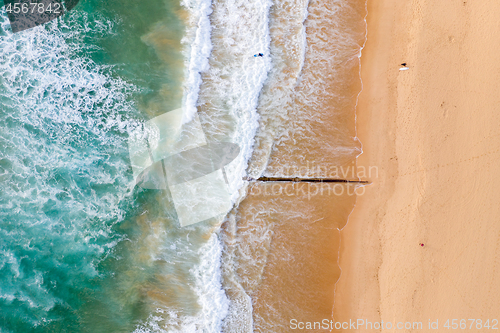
305 180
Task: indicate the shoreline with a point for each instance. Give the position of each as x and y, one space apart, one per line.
431 131
354 289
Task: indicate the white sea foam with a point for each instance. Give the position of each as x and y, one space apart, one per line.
231 87
197 48
212 300
288 48
322 99
229 94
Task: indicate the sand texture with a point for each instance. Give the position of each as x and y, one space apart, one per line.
433 131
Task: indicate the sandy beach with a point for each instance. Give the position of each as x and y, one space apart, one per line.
432 131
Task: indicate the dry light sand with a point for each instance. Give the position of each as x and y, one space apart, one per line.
434 133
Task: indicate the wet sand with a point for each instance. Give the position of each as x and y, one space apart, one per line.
282 251
280 260
317 127
433 133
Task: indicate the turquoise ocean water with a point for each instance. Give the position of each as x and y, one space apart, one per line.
81 249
